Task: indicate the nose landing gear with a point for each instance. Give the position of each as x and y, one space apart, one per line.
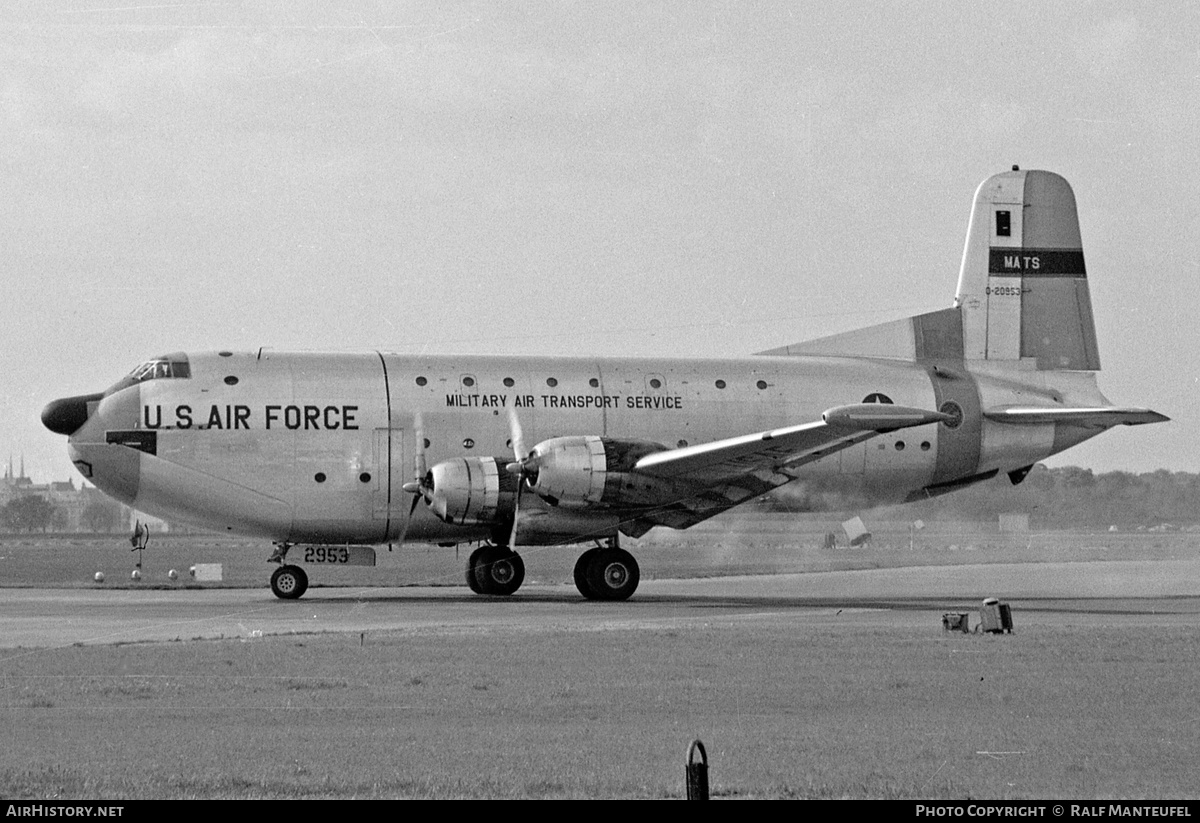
288 582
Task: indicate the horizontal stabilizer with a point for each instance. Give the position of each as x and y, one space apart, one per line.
1098 418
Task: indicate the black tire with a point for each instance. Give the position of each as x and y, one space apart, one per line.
289 582
581 566
499 570
472 578
612 574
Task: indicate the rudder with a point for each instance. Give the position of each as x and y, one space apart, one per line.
1022 287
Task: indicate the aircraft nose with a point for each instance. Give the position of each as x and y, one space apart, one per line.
67 414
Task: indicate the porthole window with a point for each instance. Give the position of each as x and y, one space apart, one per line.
594 383
421 381
319 477
426 442
762 384
551 382
468 443
955 413
365 477
468 381
720 384
682 444
655 383
231 380
225 353
899 445
508 381
925 446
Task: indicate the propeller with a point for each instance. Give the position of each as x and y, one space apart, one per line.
418 487
522 467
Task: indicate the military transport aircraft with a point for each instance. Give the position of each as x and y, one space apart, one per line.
336 452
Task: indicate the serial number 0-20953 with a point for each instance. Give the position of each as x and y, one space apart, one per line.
1003 291
326 554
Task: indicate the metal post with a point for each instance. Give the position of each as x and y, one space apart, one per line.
697 773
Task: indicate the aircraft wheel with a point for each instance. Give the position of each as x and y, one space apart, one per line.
499 570
581 567
472 563
289 582
612 574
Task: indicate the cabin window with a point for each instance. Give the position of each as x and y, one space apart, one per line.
508 381
954 411
551 382
421 381
720 384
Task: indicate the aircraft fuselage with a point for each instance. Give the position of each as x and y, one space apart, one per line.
314 447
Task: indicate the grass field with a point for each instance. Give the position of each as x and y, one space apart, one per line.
786 706
1105 713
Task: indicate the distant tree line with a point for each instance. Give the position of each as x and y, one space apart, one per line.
34 513
1063 498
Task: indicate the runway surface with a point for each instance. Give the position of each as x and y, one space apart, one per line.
1114 592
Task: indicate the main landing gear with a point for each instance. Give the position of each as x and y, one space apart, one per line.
603 573
288 582
607 573
495 570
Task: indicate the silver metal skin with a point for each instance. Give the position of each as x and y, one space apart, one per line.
361 448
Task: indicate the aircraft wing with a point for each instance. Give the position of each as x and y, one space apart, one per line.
727 472
1102 417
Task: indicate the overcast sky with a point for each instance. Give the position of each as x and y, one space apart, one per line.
575 178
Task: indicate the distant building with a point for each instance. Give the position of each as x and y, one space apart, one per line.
71 504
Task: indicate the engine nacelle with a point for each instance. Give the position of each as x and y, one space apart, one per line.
471 491
590 470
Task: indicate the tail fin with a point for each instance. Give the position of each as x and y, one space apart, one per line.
1022 288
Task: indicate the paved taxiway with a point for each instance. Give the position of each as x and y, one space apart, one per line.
1162 592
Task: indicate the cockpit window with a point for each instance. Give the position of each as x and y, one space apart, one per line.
161 367
156 368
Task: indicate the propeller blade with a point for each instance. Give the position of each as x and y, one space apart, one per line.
516 436
419 468
411 511
512 536
416 487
